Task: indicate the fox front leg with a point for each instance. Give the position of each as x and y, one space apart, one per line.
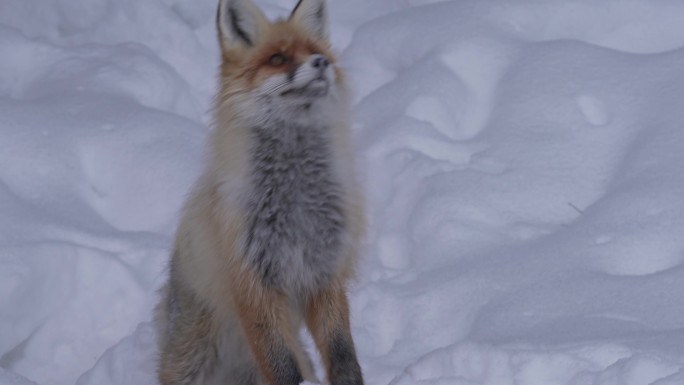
265 317
328 320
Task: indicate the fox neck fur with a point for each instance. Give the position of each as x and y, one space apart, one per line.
295 221
291 180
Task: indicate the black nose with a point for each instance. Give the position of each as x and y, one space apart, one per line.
320 62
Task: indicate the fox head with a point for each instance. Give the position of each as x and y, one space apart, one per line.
282 69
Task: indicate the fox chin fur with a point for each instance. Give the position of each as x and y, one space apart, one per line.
269 237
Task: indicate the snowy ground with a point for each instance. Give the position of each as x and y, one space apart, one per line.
523 162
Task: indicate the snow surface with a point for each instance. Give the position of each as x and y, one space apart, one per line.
523 163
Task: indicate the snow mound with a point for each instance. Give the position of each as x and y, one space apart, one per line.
472 364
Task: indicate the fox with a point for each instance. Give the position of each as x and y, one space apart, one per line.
270 235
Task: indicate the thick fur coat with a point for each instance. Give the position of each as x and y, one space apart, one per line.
270 234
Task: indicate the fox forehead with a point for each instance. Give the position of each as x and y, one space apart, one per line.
287 37
296 49
282 38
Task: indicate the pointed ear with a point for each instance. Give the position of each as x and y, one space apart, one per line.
239 22
312 15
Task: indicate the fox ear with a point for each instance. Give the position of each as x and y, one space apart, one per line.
312 15
239 22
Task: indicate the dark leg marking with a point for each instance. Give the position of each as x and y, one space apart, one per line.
344 367
284 365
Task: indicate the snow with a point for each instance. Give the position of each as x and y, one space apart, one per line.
522 163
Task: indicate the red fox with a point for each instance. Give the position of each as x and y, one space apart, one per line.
271 232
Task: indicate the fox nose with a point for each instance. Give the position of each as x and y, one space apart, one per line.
319 62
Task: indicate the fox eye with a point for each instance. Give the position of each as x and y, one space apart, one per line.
278 59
